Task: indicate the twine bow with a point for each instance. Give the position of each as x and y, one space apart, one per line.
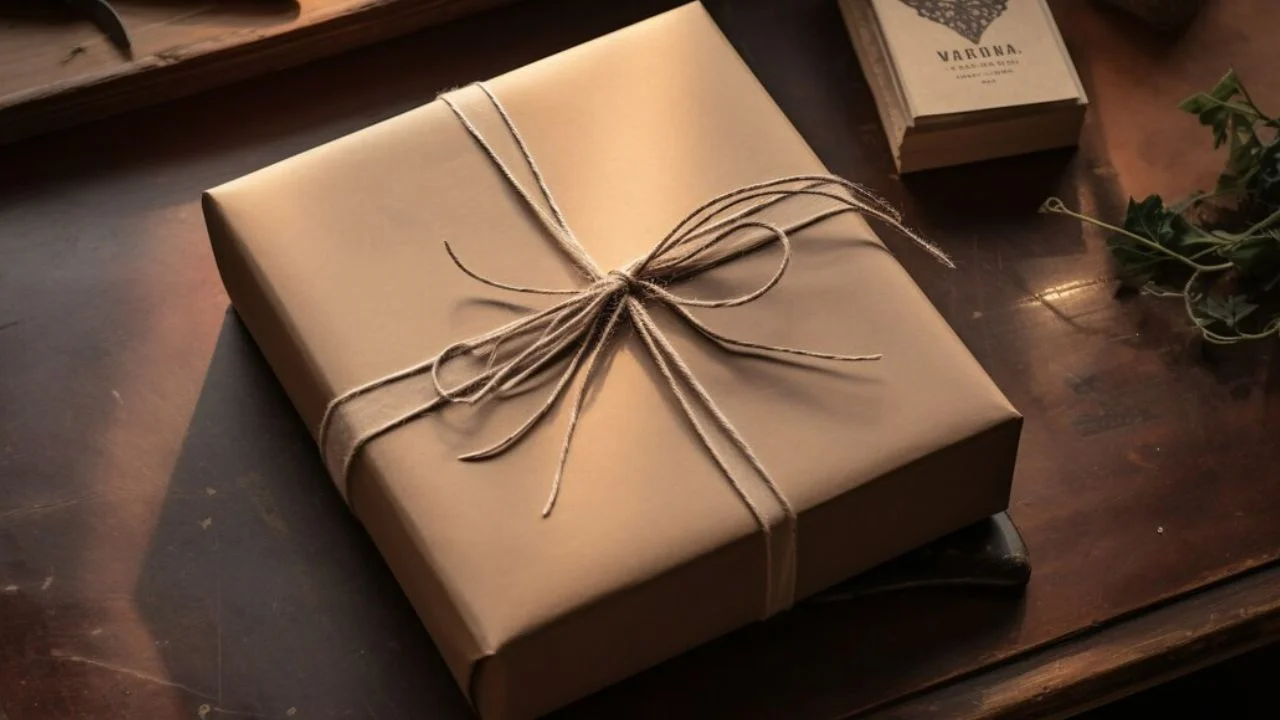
581 324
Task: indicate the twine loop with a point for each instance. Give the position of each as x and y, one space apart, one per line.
625 281
581 325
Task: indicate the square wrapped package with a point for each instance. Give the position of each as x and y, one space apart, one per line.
335 261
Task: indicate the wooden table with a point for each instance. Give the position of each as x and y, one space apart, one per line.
171 548
57 68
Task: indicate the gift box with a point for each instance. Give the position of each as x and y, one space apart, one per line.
689 437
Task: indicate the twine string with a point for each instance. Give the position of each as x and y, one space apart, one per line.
585 322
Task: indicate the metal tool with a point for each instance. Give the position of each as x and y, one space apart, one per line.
105 17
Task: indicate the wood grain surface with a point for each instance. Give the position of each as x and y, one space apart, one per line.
1111 662
171 548
58 69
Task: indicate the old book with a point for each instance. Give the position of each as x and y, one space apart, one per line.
958 81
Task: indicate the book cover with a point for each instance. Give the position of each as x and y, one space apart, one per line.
960 56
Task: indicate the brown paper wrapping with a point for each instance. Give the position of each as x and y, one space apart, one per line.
334 261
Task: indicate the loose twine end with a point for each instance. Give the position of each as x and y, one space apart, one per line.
1053 205
555 495
719 230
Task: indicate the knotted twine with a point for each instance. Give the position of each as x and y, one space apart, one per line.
582 324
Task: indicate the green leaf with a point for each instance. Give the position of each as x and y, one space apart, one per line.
1228 110
1211 109
1242 161
1226 89
1230 248
1198 104
1161 225
1249 252
1229 311
1152 220
1212 115
1257 257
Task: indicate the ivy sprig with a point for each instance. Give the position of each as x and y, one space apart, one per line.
1218 251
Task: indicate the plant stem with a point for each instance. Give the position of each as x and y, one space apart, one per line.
1242 109
1271 328
1216 339
1186 301
1273 122
1054 205
1273 217
1201 197
1251 110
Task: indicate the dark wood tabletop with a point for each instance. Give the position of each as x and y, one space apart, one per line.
170 546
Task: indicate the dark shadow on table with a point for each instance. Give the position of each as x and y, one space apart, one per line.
266 590
976 199
269 596
811 661
18 13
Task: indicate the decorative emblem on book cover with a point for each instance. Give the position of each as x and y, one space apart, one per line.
969 18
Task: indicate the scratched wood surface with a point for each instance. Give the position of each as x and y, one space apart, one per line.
58 69
170 546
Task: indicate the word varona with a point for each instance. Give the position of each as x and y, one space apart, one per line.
985 51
